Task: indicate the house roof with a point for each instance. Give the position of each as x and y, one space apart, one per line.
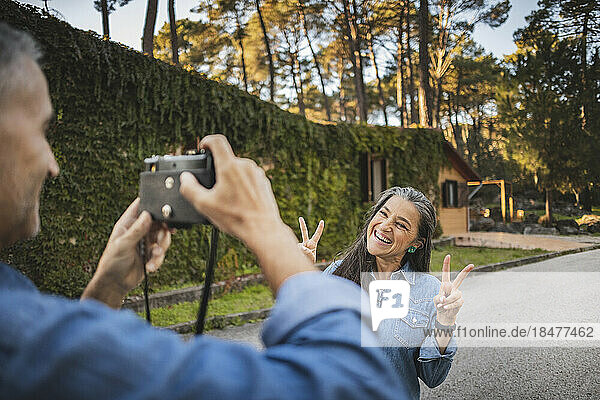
459 163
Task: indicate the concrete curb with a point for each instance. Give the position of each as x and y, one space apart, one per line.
220 322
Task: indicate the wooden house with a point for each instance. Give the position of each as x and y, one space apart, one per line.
454 207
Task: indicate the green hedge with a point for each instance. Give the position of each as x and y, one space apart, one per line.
116 106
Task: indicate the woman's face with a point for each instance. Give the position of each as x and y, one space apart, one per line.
393 229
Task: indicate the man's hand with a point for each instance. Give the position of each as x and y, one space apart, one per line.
120 267
242 204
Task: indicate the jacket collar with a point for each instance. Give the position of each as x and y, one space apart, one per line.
405 273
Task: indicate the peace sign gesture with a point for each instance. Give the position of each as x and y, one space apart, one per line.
309 246
449 301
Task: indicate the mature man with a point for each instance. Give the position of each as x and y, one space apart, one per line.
52 347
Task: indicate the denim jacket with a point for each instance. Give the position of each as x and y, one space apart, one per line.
405 342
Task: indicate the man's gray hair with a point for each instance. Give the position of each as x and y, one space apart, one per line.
14 46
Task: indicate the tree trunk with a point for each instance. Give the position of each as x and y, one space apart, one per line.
360 60
301 105
586 198
548 216
414 111
148 37
436 103
424 89
379 88
105 27
400 67
173 28
460 144
340 66
240 38
356 60
584 88
269 54
400 79
244 74
315 59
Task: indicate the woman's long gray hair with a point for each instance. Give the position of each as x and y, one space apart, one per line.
357 259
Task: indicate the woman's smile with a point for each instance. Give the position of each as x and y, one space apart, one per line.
381 238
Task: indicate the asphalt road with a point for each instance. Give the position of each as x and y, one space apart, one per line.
561 290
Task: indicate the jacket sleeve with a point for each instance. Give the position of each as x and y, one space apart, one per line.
432 366
55 348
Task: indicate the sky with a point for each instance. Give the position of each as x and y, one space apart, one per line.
127 23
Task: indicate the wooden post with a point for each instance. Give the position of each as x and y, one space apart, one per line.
503 200
510 203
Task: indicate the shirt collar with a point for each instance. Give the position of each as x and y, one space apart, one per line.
405 271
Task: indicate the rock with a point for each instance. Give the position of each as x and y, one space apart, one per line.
483 224
501 227
568 230
594 228
563 223
530 218
539 230
567 227
517 227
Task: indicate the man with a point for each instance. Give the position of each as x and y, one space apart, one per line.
52 347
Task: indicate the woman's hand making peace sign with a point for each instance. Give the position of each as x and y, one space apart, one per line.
309 246
449 301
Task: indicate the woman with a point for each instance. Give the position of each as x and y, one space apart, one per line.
395 243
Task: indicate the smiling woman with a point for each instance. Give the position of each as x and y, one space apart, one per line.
395 243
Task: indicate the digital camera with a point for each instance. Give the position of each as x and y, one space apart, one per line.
159 187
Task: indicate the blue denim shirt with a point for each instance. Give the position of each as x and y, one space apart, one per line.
413 353
54 348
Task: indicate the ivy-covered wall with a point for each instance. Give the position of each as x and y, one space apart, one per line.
116 106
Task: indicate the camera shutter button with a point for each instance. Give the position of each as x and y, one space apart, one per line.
169 182
166 211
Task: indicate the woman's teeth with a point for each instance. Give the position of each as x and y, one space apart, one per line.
383 239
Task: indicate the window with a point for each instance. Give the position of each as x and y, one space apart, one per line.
378 177
373 176
450 194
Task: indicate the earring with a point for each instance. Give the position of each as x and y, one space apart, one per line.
412 249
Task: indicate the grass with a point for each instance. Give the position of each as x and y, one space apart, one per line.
462 256
138 291
251 298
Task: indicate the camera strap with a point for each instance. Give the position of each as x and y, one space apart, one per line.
209 274
142 252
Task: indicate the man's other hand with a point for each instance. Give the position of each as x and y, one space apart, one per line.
120 267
